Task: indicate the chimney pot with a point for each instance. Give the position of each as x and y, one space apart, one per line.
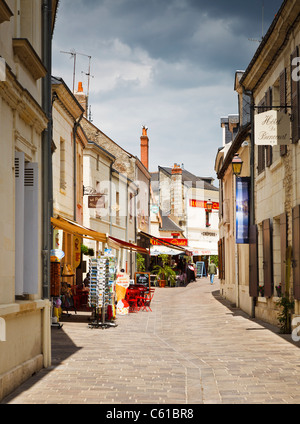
145 148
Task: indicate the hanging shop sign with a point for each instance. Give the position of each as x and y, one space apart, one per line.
242 210
202 204
96 201
174 241
272 128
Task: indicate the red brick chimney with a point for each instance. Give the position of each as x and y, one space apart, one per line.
145 148
176 169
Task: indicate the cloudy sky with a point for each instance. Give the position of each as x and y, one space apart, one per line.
166 64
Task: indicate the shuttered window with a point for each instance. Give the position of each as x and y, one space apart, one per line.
267 257
283 248
296 251
295 101
253 261
221 251
269 104
261 161
283 100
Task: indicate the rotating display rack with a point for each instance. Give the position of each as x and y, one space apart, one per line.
102 288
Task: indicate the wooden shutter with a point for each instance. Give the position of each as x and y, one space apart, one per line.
261 149
295 102
267 257
31 230
283 248
283 99
269 103
296 251
19 222
253 262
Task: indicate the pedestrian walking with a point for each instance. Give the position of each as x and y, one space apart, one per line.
212 270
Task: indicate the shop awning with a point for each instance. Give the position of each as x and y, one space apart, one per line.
79 230
117 243
165 243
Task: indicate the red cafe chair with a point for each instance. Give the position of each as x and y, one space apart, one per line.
144 302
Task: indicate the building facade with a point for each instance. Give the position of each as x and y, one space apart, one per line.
272 82
25 71
179 206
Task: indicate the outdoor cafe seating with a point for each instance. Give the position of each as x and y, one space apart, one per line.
144 302
139 297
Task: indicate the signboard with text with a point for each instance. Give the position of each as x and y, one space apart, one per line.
242 210
272 128
174 241
202 204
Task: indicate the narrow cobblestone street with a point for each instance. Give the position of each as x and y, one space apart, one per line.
193 348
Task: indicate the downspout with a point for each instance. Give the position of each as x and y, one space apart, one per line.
76 125
47 184
110 198
252 182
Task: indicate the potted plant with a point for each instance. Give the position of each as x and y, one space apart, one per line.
278 290
140 263
261 291
164 272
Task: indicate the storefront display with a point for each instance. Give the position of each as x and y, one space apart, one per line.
101 297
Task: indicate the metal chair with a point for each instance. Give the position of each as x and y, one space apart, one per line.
144 302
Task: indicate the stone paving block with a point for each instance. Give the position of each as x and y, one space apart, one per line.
192 349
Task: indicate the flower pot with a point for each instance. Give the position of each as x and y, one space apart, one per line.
162 283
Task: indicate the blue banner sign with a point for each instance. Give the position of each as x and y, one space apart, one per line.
242 210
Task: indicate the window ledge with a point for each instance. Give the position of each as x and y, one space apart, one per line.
26 53
5 12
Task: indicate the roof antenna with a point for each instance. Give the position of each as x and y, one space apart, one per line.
262 25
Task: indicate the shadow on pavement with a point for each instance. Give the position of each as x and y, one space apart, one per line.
265 325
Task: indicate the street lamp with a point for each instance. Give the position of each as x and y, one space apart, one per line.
237 165
209 206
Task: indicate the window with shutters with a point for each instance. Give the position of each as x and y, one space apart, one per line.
295 101
26 226
267 257
283 248
261 161
283 101
276 252
269 104
253 261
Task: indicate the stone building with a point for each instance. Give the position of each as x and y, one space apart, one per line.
25 188
182 199
272 82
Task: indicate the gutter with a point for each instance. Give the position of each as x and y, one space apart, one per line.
47 186
76 125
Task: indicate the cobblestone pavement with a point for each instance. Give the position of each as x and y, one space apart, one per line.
193 348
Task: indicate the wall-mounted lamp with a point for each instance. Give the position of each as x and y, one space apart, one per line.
237 165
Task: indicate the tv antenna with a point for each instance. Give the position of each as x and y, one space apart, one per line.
74 54
262 25
88 75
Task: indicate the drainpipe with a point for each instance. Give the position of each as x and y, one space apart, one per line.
252 182
76 125
47 187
